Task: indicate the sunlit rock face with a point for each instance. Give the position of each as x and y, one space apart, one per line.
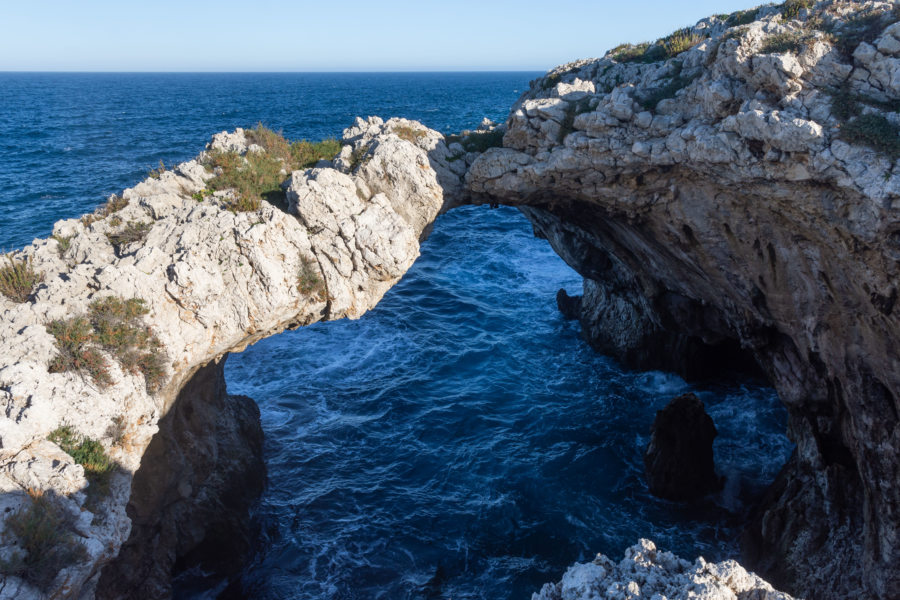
725 205
212 281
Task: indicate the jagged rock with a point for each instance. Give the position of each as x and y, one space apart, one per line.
678 461
646 572
569 306
213 281
743 221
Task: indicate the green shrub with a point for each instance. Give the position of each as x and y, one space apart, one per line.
309 282
874 131
478 141
90 454
410 134
306 154
133 232
87 452
64 242
18 279
118 330
257 176
862 27
677 83
114 325
788 41
155 173
741 17
74 338
44 531
625 53
663 49
791 9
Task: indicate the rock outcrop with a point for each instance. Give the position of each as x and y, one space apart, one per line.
733 191
678 460
212 281
646 572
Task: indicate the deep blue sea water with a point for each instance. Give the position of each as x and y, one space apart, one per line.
460 440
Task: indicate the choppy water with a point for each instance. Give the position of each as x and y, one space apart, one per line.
459 441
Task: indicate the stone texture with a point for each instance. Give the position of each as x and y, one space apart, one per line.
678 461
646 572
214 281
739 222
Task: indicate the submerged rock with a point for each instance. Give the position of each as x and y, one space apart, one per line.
678 461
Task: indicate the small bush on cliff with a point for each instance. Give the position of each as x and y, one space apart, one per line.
874 131
309 282
662 49
87 452
18 279
63 243
410 134
788 41
791 9
741 17
478 141
44 531
861 27
257 176
134 231
114 325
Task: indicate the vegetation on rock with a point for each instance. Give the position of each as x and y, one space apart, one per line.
134 231
257 176
308 280
18 279
87 452
44 530
114 325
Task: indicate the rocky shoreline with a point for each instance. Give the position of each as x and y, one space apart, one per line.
729 194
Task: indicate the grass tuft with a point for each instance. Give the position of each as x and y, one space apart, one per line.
257 176
791 9
410 134
874 131
309 282
788 41
114 325
133 232
862 27
87 452
662 49
18 279
74 339
64 242
44 530
741 17
158 171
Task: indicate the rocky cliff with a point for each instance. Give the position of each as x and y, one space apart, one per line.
731 195
118 350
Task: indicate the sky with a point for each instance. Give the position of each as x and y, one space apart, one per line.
344 35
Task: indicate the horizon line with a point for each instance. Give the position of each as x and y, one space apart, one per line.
56 71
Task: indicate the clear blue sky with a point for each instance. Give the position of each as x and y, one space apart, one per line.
344 35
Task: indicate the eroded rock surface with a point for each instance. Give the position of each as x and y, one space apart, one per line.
678 461
719 203
646 572
213 281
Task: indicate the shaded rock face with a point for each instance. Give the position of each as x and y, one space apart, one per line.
737 214
678 461
191 496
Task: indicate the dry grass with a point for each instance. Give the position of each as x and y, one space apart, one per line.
134 231
257 176
18 279
114 325
44 530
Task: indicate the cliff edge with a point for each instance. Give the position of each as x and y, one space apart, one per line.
731 195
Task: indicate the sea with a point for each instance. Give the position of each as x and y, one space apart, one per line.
459 441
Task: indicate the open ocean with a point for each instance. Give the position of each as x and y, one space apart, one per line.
460 440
